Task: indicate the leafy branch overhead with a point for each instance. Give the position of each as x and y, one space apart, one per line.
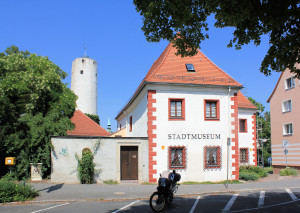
184 22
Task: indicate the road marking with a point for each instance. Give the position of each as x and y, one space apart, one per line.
264 207
195 204
230 203
261 199
126 206
291 194
51 207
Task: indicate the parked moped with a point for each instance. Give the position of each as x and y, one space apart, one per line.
167 187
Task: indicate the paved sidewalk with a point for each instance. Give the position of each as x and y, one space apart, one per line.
81 192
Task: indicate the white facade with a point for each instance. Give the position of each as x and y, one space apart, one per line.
194 132
84 84
106 156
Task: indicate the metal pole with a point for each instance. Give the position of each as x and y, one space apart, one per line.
285 159
262 153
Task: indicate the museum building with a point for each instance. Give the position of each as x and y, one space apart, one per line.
195 117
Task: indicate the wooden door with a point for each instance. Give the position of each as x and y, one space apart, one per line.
129 163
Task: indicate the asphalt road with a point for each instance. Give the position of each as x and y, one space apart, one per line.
276 200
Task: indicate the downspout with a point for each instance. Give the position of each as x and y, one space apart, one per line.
229 134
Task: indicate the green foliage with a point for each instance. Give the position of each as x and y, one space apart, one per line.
86 168
34 105
252 172
279 20
94 118
263 119
12 192
9 177
248 176
210 182
110 181
288 172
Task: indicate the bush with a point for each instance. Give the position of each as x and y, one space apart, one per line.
248 176
86 168
252 172
9 177
288 172
12 192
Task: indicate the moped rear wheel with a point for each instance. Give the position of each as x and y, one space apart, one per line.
157 202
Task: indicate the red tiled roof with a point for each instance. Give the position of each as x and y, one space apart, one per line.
169 68
86 126
243 102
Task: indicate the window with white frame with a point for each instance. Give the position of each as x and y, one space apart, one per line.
287 106
288 129
289 83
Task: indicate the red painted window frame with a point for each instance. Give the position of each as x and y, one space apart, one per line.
247 155
182 118
183 157
218 157
246 127
217 118
130 124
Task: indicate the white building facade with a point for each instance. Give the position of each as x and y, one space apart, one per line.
189 109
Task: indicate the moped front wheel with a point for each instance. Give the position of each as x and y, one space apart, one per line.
157 202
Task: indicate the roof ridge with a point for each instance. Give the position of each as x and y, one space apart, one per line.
168 48
218 67
275 86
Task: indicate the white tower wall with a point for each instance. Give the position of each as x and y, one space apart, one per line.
84 84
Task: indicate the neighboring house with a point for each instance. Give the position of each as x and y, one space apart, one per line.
188 108
285 121
108 153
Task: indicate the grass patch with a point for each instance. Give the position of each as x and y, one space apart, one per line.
13 192
210 182
269 169
148 183
110 181
252 173
289 171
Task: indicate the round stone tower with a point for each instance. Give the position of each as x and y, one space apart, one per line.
84 84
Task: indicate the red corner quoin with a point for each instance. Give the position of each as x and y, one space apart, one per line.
235 138
151 135
254 139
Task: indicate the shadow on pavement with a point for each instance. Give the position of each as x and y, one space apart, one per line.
52 188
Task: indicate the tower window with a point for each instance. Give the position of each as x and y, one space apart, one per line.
190 67
81 71
82 60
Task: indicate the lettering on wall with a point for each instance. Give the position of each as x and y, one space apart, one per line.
194 136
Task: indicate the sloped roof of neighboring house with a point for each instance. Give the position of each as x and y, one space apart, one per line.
275 88
243 102
171 69
84 126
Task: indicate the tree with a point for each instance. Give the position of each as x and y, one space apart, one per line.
263 122
34 105
184 22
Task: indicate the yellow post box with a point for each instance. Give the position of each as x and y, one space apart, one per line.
10 161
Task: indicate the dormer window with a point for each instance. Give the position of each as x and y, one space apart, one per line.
190 67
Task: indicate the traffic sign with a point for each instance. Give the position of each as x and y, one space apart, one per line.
285 151
285 143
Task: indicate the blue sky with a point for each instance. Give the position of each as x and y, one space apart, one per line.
111 31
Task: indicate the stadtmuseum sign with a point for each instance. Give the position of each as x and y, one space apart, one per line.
193 136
